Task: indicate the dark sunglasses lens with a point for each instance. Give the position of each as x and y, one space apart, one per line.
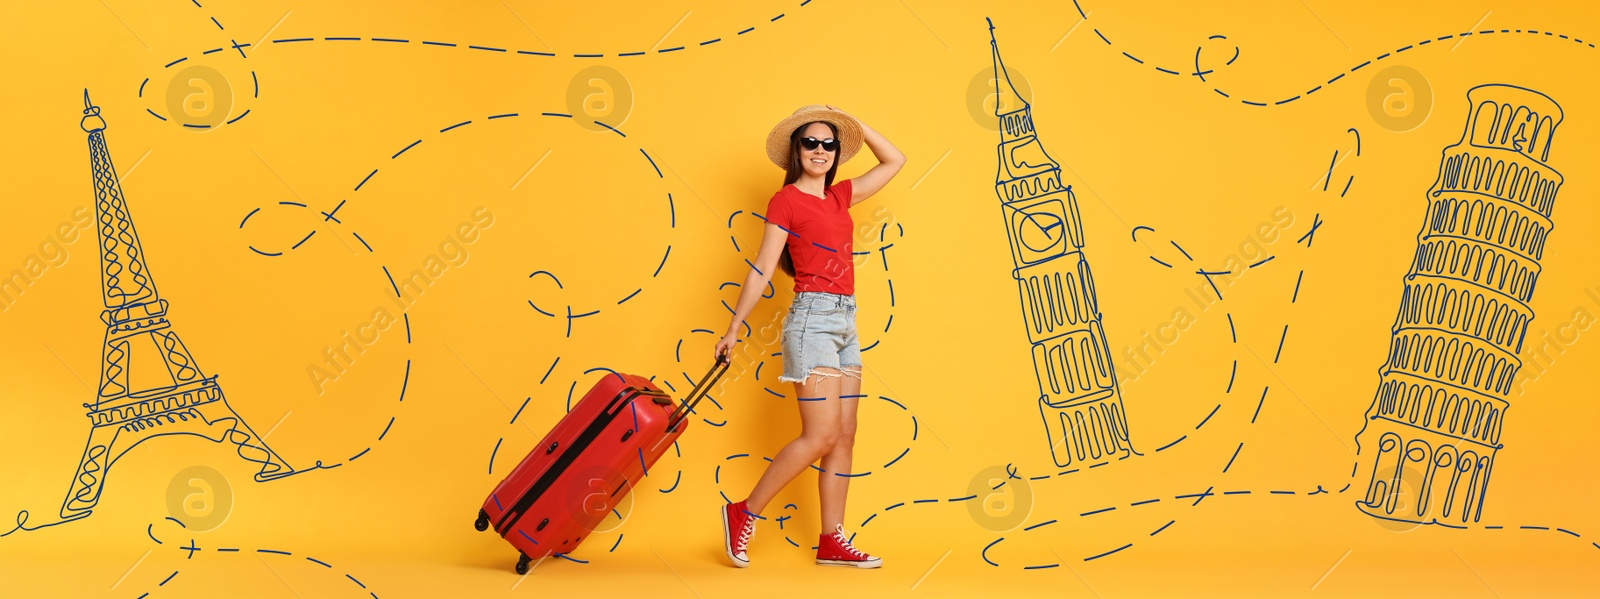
811 143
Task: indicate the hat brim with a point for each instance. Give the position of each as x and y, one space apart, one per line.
849 133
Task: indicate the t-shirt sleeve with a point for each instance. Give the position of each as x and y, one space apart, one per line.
845 190
780 212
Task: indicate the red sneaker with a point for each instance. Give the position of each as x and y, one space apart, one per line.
738 525
834 549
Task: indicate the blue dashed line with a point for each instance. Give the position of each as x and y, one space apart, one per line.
613 129
1235 456
403 150
1095 557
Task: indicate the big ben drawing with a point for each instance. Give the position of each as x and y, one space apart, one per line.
1078 395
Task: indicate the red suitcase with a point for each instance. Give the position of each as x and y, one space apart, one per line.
587 463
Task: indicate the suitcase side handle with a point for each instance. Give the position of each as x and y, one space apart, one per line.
700 391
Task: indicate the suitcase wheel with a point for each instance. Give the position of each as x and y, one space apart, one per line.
482 522
522 564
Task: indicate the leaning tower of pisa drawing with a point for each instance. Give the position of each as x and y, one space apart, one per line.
1436 420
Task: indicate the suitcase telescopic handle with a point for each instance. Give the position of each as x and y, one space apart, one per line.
701 390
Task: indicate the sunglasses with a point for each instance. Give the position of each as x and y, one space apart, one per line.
811 143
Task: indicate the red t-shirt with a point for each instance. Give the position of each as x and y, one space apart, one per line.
819 236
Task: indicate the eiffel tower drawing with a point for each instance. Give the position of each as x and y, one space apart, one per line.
150 386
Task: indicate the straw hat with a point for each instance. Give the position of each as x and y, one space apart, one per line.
849 132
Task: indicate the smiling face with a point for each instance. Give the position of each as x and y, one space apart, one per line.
816 162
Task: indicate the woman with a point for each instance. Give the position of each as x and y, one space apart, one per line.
808 235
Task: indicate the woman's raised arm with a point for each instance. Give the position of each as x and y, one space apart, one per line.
890 159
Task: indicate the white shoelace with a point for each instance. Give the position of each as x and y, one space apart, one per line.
748 532
844 542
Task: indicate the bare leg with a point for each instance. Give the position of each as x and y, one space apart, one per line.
819 433
831 487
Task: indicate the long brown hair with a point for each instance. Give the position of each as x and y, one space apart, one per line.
792 173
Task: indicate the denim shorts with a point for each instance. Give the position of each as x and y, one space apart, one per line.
820 331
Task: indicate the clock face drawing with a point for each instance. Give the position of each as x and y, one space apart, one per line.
1040 231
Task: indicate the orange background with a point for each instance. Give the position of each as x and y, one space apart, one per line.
1231 183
